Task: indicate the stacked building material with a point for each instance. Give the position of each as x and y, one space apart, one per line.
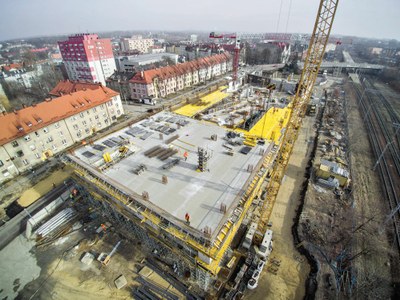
60 219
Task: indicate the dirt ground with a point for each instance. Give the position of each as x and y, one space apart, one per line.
342 231
43 187
289 283
63 276
374 272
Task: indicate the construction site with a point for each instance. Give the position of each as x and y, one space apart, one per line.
247 190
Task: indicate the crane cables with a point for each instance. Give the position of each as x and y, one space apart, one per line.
288 15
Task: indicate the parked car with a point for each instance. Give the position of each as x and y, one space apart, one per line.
148 101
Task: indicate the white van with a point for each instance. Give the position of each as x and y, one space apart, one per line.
148 101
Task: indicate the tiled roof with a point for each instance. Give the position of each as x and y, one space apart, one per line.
19 123
66 87
180 69
9 67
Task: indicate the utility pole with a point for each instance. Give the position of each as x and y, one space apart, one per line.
387 146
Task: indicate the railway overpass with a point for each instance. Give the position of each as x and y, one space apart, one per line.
347 66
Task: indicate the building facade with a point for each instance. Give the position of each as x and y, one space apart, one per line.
119 81
87 57
130 63
136 42
161 82
33 134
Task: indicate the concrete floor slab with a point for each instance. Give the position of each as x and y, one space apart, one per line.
200 194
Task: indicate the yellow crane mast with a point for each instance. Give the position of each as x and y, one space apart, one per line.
315 53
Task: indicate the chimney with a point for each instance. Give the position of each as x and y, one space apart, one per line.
23 106
4 113
142 74
15 111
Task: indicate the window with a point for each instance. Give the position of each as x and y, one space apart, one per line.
106 121
118 112
57 125
50 139
84 123
32 147
20 153
1 163
114 118
46 130
27 138
54 147
76 127
64 142
61 133
102 106
81 115
99 124
25 162
79 134
96 117
36 133
74 118
94 109
14 144
87 130
37 155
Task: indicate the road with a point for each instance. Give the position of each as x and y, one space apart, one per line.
16 225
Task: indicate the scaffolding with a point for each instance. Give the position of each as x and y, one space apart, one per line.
204 156
202 252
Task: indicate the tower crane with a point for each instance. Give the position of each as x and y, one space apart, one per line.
315 53
235 63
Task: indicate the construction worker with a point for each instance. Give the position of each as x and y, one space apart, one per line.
185 155
187 218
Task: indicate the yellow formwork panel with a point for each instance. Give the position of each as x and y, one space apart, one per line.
205 102
270 125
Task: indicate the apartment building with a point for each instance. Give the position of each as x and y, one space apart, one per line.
87 57
161 82
136 42
130 63
35 133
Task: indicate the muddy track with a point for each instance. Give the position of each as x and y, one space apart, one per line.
311 282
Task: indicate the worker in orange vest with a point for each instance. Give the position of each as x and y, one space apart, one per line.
187 218
185 155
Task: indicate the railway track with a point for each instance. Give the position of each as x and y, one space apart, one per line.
381 136
394 117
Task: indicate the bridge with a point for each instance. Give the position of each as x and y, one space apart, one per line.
347 66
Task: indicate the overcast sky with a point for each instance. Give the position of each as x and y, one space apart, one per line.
27 18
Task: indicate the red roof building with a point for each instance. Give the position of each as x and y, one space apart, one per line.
32 134
167 80
67 87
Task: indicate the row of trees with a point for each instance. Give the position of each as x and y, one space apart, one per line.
41 84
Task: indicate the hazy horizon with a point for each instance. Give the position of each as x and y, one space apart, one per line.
29 19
